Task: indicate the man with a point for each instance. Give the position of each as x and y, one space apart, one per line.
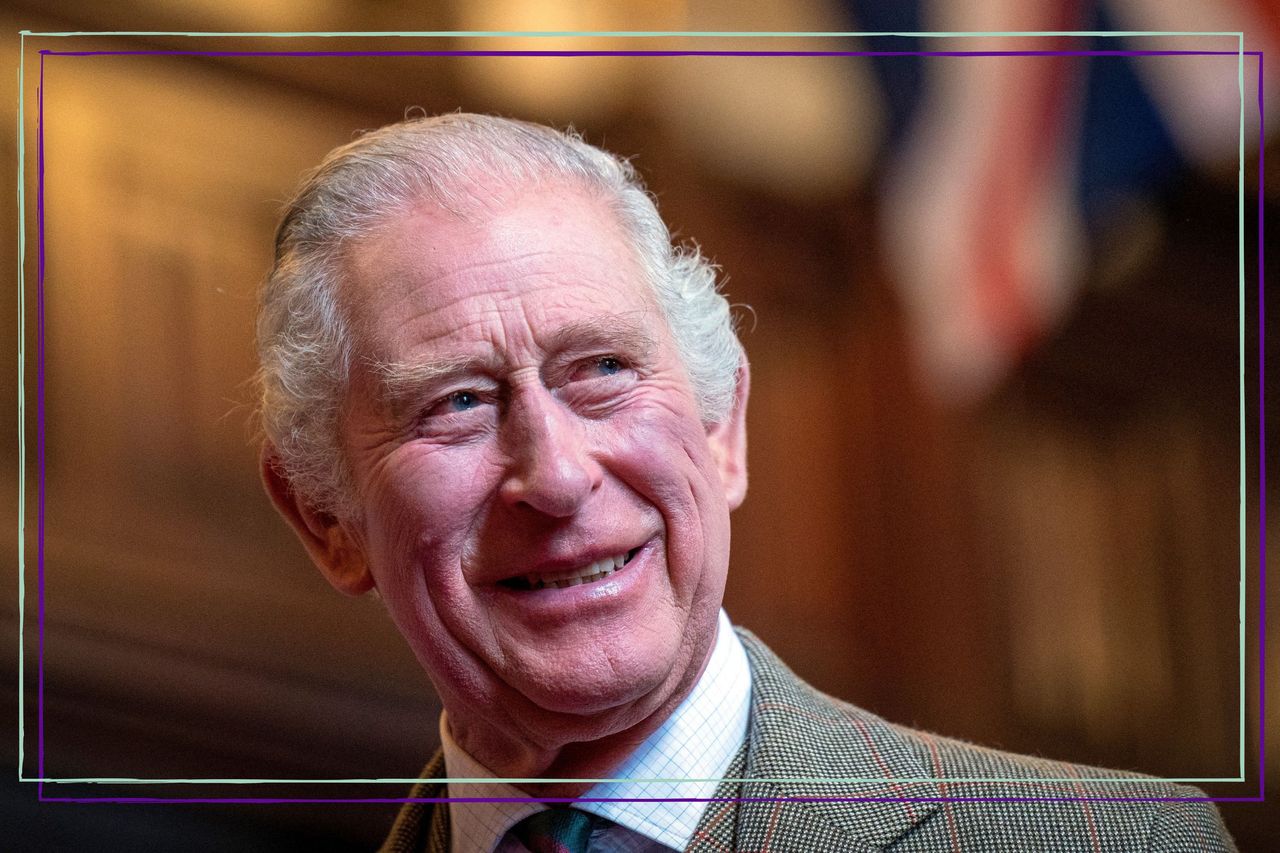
496 394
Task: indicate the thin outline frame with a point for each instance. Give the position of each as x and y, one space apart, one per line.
1240 53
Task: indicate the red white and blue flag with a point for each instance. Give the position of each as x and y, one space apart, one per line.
995 167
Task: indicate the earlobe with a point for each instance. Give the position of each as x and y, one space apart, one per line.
728 441
334 548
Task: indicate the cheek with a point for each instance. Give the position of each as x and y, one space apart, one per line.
673 439
426 501
425 506
664 456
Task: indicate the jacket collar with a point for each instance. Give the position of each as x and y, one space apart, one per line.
422 827
799 736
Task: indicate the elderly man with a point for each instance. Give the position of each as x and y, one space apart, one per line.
494 392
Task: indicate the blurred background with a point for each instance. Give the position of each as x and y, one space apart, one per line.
995 426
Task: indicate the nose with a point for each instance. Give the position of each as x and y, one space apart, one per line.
552 470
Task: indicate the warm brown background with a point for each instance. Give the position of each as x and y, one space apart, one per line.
1051 569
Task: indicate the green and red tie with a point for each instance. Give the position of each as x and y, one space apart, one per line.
558 829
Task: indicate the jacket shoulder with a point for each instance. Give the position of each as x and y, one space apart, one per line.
959 795
1033 802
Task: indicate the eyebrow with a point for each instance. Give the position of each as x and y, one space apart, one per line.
401 383
613 331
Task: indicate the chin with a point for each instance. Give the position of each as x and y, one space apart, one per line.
603 683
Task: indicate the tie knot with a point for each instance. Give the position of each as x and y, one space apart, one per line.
558 829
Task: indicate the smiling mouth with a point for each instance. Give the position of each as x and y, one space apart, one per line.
590 573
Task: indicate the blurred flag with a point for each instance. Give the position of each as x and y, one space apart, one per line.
1202 114
998 166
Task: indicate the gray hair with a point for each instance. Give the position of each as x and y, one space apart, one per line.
304 347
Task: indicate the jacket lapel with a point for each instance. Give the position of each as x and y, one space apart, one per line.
716 831
422 827
799 737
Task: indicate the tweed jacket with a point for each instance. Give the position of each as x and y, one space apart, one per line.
799 739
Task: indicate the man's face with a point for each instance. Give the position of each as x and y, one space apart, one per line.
542 509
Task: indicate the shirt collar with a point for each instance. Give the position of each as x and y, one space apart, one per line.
685 757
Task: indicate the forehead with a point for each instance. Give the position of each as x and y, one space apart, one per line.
522 268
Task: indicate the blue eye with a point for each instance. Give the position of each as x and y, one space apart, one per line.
598 367
460 401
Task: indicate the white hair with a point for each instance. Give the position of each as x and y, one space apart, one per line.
304 348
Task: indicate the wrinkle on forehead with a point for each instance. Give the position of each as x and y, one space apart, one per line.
478 295
502 214
431 296
532 238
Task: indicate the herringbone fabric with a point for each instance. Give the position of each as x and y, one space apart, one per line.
422 826
804 745
717 829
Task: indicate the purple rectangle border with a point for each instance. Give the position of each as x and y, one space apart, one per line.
40 421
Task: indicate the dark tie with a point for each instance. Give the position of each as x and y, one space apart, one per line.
558 829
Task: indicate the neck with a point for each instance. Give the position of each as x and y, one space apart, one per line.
588 749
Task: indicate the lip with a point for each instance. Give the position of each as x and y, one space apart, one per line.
561 564
613 587
606 567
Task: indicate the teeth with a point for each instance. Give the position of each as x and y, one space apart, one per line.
587 574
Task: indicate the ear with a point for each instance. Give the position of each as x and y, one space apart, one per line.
728 441
330 544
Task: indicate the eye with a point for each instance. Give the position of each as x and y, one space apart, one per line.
598 380
609 365
597 367
457 402
460 401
